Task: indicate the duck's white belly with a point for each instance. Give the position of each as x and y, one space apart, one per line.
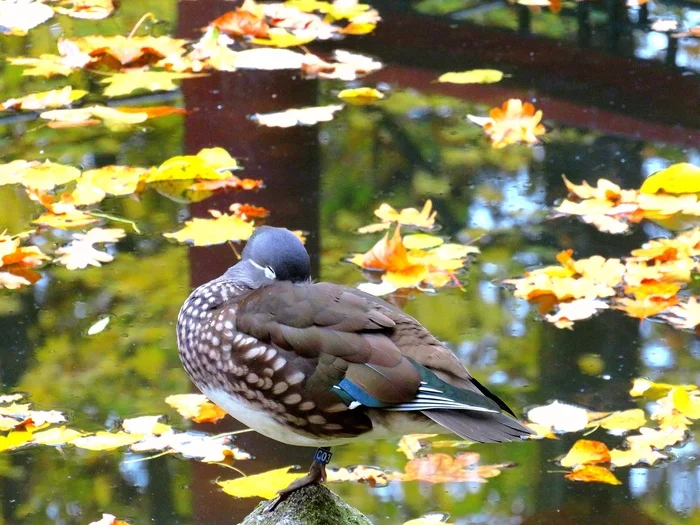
269 426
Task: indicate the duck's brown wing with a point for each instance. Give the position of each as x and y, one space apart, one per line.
371 354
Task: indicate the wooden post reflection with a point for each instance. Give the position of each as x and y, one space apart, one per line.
288 161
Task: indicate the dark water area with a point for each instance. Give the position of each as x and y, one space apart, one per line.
617 104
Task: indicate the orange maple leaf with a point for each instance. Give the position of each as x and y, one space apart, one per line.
513 122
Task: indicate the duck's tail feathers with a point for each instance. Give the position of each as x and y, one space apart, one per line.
482 428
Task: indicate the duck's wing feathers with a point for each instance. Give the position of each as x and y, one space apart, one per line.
368 352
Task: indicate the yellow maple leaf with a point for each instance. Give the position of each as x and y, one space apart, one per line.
47 65
265 485
15 439
653 390
208 164
513 122
221 228
362 95
196 407
55 98
47 175
124 83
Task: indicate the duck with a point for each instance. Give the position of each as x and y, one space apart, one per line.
317 364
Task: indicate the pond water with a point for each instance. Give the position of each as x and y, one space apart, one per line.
616 106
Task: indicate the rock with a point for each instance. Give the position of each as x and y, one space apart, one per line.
312 505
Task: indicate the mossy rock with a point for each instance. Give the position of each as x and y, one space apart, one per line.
312 505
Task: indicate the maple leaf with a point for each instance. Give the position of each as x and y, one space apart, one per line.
196 407
265 485
208 449
513 122
18 18
424 218
124 83
685 315
643 308
593 474
146 426
132 51
15 439
55 436
475 76
632 456
621 421
47 65
45 99
295 117
81 253
95 185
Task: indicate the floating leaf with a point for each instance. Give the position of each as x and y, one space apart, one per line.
593 474
85 9
278 37
81 253
513 122
243 22
15 439
475 76
560 417
424 218
221 228
196 407
55 98
209 163
363 95
18 18
586 452
443 468
9 398
265 485
685 316
48 65
622 421
297 117
55 436
106 440
99 326
410 444
655 390
109 519
679 178
146 426
124 83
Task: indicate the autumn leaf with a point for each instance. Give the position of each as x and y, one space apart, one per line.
9 398
55 436
85 9
243 22
685 315
196 407
132 50
231 183
586 452
15 439
38 176
424 218
560 417
209 163
575 310
432 518
106 440
475 76
621 421
18 18
644 387
81 253
124 83
48 65
677 179
632 456
265 485
297 117
593 474
146 426
410 444
513 122
443 468
109 519
360 474
361 95
207 449
346 66
55 98
95 185
98 326
278 37
221 228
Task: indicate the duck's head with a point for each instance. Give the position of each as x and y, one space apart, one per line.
271 254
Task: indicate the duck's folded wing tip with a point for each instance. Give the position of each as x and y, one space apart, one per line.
482 428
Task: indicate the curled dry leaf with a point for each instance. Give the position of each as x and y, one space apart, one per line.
297 117
512 123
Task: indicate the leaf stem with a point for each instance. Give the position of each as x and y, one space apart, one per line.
116 219
141 21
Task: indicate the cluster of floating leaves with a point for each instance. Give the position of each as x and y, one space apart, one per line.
16 18
67 195
669 198
411 261
146 434
672 412
649 282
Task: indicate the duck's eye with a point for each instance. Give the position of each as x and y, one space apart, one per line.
270 273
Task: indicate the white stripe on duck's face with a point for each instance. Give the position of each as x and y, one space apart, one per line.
267 270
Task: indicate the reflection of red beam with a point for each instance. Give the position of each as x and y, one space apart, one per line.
643 89
562 111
